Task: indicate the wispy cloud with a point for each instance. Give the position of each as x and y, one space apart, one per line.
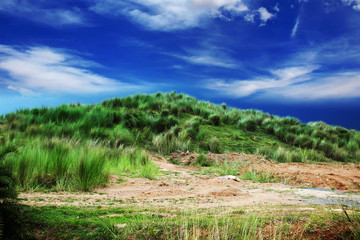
280 78
264 14
169 15
250 17
43 69
207 55
208 61
34 11
294 83
295 28
354 3
340 85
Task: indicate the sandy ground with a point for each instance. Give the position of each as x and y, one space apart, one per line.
344 177
184 187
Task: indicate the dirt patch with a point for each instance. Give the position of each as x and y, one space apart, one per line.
189 158
164 193
230 192
344 177
297 231
186 187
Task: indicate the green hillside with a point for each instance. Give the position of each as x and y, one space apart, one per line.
76 146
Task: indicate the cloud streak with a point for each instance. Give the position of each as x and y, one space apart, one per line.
296 83
295 28
280 78
41 69
341 85
169 15
207 61
34 11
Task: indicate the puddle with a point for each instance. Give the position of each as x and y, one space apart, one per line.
333 201
324 190
321 196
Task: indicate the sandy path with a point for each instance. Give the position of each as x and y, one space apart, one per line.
182 187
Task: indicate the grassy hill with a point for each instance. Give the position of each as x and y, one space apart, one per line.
77 147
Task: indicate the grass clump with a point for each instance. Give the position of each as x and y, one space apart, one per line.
248 124
169 142
90 171
60 164
214 119
214 145
203 161
261 177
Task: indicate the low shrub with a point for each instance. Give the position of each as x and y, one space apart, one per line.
164 144
202 160
247 124
214 119
352 146
281 155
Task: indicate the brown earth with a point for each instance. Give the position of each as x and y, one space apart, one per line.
344 177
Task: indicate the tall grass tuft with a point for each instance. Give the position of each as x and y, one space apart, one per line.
90 170
169 142
61 164
214 145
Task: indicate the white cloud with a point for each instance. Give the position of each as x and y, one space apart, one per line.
295 28
208 61
23 91
281 78
43 69
208 55
341 85
168 15
276 8
354 3
35 12
264 14
250 17
296 83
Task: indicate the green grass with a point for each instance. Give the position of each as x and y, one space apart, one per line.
76 147
148 223
202 161
60 164
261 177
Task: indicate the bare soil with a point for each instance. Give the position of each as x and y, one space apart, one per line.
335 176
186 186
343 177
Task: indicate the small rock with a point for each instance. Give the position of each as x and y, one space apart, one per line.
230 177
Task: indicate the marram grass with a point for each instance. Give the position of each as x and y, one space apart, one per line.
61 164
76 147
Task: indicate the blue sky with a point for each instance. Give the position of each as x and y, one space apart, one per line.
295 57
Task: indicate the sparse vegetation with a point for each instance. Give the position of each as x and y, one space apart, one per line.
122 223
261 177
203 161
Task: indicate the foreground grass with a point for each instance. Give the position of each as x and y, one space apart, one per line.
147 223
60 164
